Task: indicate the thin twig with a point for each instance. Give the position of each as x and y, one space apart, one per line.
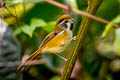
68 8
17 18
57 4
16 63
94 17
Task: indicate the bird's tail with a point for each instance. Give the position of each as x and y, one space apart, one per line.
28 62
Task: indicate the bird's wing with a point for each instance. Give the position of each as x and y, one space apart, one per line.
36 54
49 37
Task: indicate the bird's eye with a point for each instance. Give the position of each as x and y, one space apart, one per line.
66 21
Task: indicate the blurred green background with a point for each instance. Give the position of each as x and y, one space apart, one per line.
100 58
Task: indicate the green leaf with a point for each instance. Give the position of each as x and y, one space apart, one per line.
117 33
117 41
117 36
49 26
36 22
17 32
107 29
24 28
27 29
44 11
109 26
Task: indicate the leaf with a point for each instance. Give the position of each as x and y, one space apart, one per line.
117 36
109 26
49 26
97 27
24 28
17 32
107 30
36 22
45 11
27 29
11 50
117 33
117 41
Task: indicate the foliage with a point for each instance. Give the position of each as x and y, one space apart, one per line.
35 23
10 52
101 46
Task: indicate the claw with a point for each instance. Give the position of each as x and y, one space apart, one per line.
74 38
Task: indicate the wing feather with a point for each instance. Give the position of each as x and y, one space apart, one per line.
49 37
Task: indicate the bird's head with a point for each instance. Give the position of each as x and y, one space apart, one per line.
64 22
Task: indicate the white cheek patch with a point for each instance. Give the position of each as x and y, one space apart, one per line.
68 26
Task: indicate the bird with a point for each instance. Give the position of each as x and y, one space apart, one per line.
55 42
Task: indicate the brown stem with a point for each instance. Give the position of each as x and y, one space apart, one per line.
68 8
57 4
93 17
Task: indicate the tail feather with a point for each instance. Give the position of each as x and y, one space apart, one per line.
23 66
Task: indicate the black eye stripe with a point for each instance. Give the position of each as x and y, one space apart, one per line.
61 20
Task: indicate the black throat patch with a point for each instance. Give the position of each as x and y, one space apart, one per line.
71 27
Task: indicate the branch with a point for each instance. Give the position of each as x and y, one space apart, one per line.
16 63
66 8
69 9
85 24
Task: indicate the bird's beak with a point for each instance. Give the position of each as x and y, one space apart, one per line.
72 21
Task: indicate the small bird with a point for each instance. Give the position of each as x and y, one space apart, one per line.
55 42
